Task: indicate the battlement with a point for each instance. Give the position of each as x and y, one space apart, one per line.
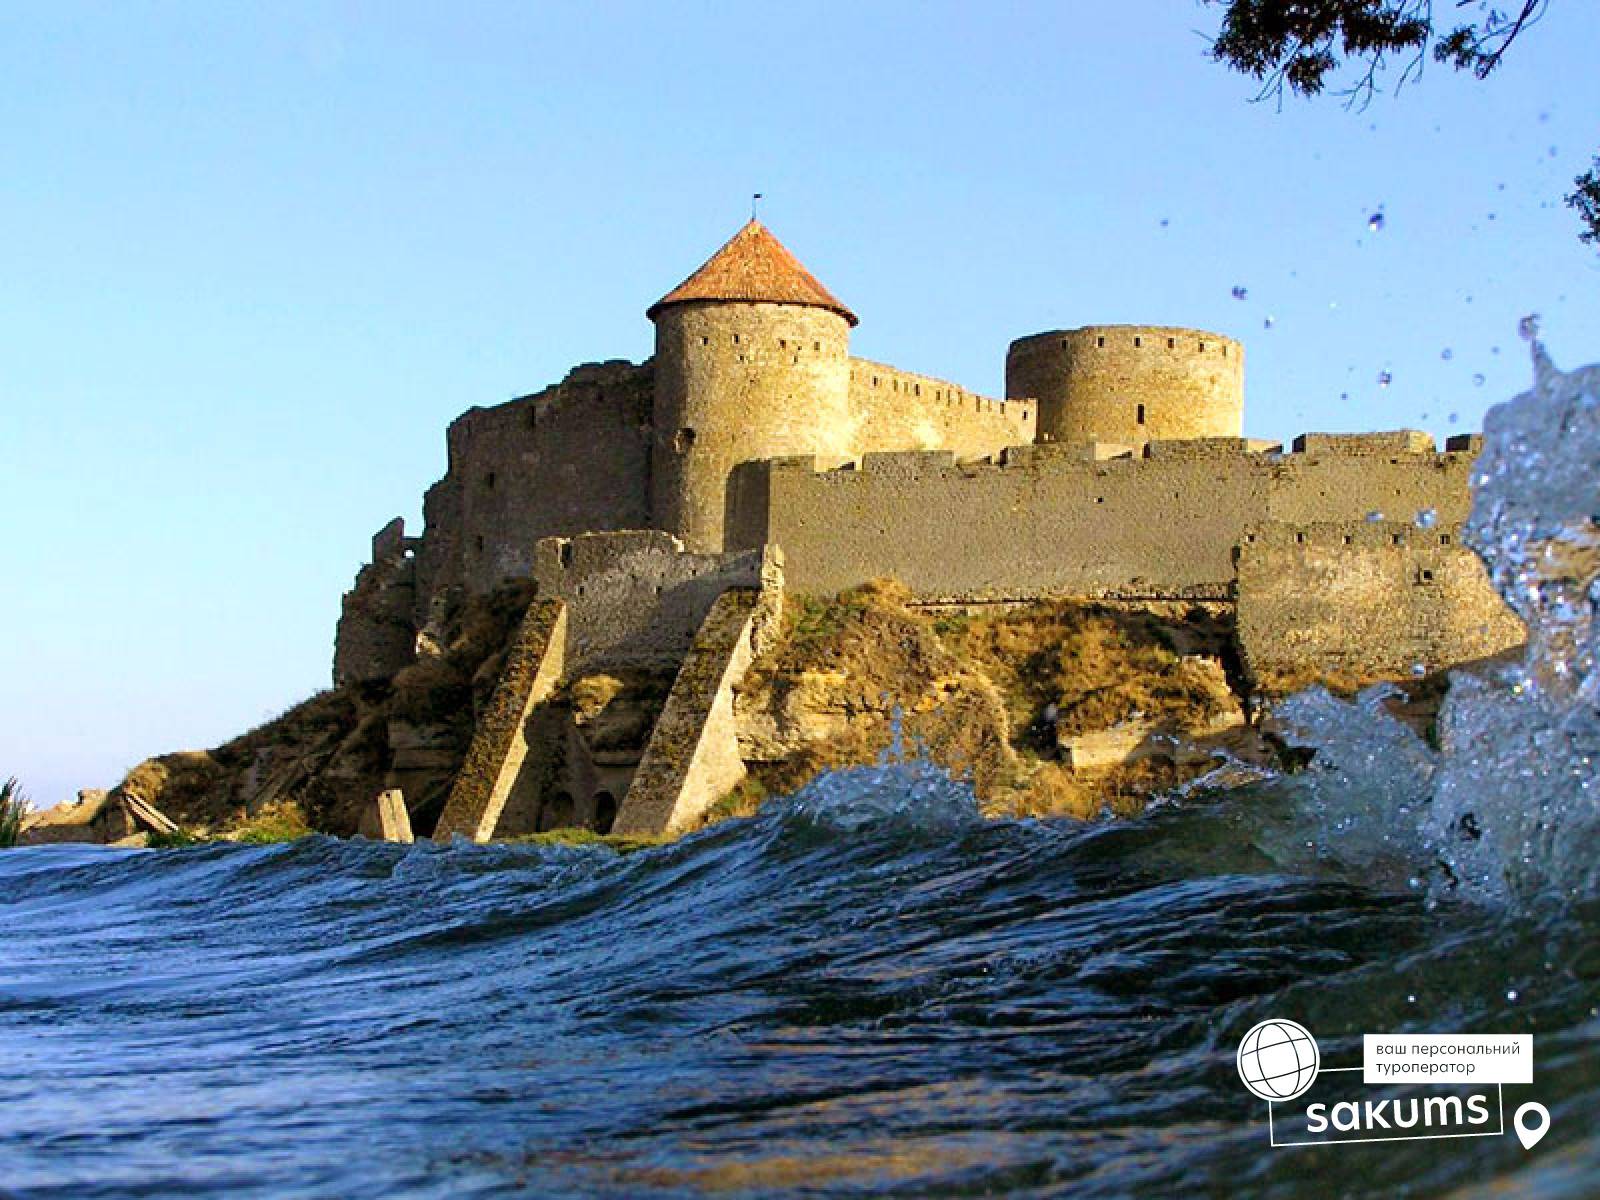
875 377
1214 448
1397 441
1403 448
1053 519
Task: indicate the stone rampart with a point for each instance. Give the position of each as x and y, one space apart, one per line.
571 459
636 598
693 758
533 668
900 410
1058 520
1356 601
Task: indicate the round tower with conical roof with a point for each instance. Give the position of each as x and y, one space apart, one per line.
752 362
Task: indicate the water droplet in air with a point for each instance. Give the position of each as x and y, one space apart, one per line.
1511 995
1478 380
1552 151
1374 517
1375 222
1494 349
1269 322
1385 378
1239 293
1411 998
1528 327
1344 395
1454 417
1418 670
1427 518
1165 221
1447 354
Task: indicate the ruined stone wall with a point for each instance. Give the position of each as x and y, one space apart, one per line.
636 598
1129 383
572 458
377 632
1053 519
899 410
736 382
1355 601
500 746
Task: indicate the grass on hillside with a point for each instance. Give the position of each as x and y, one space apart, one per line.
15 808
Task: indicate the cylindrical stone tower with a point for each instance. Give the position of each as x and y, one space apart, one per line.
752 361
1130 384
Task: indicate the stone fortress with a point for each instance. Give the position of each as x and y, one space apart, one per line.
665 510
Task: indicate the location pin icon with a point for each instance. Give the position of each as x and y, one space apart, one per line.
1532 1122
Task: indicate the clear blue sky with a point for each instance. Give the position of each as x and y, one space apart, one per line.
256 257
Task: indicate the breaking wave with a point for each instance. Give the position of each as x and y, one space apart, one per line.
865 989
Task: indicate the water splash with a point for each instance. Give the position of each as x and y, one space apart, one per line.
1508 809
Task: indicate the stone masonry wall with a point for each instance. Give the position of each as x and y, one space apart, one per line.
570 459
735 382
1361 600
377 633
533 668
1053 520
1130 383
636 598
899 410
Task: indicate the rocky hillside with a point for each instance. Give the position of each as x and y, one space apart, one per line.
1068 707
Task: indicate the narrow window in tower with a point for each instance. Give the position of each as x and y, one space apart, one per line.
1141 414
1301 538
918 389
1348 540
736 339
1224 351
479 543
1099 341
1064 342
817 346
488 481
1172 343
1444 539
1397 539
1425 576
705 341
566 554
683 440
1138 341
1202 347
783 343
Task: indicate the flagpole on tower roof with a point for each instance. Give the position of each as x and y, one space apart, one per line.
754 200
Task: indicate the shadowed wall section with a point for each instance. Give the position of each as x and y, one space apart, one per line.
500 745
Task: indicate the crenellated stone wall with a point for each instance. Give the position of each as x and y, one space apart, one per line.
1055 519
571 459
1358 600
900 410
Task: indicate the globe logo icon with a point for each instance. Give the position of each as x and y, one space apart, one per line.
1278 1060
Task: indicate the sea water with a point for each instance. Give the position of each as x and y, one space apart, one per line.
866 989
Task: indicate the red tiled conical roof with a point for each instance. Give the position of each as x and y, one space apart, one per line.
754 266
